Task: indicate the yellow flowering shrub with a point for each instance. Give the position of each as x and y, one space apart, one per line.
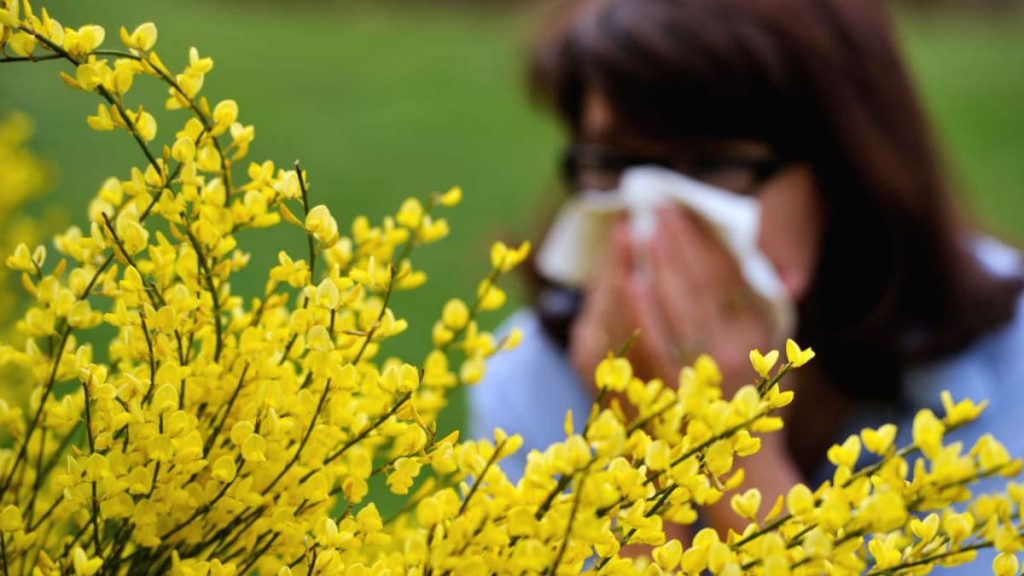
227 435
23 178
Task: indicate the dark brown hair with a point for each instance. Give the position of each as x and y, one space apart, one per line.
821 81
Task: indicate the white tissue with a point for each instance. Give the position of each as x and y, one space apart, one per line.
570 251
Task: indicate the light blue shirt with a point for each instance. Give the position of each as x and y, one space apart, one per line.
528 390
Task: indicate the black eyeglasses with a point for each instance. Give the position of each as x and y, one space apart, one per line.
598 166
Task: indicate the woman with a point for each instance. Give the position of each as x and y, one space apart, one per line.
806 106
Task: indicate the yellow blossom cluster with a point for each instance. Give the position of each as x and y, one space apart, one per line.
23 177
226 436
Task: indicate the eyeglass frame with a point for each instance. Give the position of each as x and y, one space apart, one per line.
762 169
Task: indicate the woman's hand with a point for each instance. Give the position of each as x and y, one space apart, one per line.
685 295
688 298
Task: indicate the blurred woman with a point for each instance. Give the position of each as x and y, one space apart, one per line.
806 107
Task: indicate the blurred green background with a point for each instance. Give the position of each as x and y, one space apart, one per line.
385 100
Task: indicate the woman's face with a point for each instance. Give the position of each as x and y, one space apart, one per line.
792 213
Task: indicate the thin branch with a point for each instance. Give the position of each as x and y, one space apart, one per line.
214 295
479 479
309 236
568 528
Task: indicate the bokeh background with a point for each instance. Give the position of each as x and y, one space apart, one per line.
386 99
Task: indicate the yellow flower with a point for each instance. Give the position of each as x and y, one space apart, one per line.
958 526
208 159
455 314
878 441
84 566
796 356
428 512
224 469
885 510
401 378
317 488
10 519
658 455
491 296
746 403
165 399
102 121
928 432
442 459
431 230
1005 564
441 335
254 448
224 115
925 529
992 455
472 370
144 122
90 75
142 38
512 339
505 259
410 214
845 454
817 544
451 198
22 44
521 521
799 500
184 149
747 504
763 364
884 552
961 412
81 315
21 259
613 374
668 554
123 76
406 470
84 40
718 457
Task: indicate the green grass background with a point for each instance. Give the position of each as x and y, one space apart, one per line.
383 101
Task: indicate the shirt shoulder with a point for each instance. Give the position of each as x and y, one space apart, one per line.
998 257
991 369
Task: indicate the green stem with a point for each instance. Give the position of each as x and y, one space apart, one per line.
31 58
568 528
309 237
227 411
359 437
214 295
92 450
152 359
479 479
305 437
3 553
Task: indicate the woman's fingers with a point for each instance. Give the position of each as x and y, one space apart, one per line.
721 288
677 295
652 349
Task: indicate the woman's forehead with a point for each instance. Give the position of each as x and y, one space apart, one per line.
600 124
